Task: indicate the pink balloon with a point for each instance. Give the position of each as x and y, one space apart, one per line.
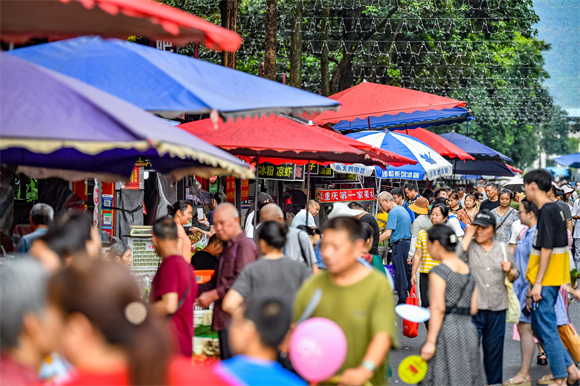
317 349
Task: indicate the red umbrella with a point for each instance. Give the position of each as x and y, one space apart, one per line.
437 143
374 100
276 139
62 19
515 170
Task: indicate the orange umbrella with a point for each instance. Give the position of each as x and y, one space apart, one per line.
63 19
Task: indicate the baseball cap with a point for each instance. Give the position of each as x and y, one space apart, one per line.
340 209
485 219
420 206
567 189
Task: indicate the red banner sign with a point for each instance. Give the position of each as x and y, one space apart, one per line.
245 190
231 189
346 195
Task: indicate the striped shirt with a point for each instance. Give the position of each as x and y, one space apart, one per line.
426 261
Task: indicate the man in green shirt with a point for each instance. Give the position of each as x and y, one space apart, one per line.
356 298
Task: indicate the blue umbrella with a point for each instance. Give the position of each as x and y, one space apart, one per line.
59 125
476 149
558 172
570 160
409 120
481 167
169 84
429 164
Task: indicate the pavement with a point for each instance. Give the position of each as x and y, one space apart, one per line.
511 356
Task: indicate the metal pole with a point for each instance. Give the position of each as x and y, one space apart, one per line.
377 204
100 206
307 190
256 191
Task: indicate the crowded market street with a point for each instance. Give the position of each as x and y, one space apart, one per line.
289 193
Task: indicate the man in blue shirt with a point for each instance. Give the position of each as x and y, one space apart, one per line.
399 232
255 334
40 217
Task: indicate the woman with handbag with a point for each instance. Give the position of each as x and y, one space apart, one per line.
505 216
490 262
452 337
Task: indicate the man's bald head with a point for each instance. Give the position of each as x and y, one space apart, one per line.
227 209
226 221
271 212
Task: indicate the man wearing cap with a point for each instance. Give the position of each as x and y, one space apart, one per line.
399 232
422 221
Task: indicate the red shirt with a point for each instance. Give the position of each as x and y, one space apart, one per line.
181 372
174 275
15 373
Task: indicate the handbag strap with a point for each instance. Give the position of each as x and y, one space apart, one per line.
413 292
505 217
502 245
181 301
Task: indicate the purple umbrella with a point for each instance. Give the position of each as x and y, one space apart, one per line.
56 126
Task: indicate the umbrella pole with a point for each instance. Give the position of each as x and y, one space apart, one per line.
256 191
377 204
307 190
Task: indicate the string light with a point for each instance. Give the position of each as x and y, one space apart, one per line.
469 70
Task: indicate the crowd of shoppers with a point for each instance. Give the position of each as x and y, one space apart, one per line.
64 298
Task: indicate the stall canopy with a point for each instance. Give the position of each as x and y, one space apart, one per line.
569 160
371 105
437 143
515 170
279 139
56 126
476 149
481 167
558 172
430 163
487 161
169 84
63 19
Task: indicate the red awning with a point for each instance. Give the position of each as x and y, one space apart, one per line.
63 19
277 139
515 170
375 100
437 143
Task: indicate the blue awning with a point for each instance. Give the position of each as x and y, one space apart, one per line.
412 120
558 172
570 160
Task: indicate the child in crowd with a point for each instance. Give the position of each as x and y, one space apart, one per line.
254 334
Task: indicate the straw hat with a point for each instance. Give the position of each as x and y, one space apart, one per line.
420 206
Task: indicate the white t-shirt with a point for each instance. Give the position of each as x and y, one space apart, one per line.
515 232
300 219
249 226
576 212
453 223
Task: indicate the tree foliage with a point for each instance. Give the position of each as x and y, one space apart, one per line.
484 52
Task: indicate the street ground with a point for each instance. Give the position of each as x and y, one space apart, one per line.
511 356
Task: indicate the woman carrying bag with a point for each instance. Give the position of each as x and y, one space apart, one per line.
490 262
505 216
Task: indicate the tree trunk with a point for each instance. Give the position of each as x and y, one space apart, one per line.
270 39
229 13
296 47
342 77
324 86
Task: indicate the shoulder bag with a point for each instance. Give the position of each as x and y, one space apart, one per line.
514 309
